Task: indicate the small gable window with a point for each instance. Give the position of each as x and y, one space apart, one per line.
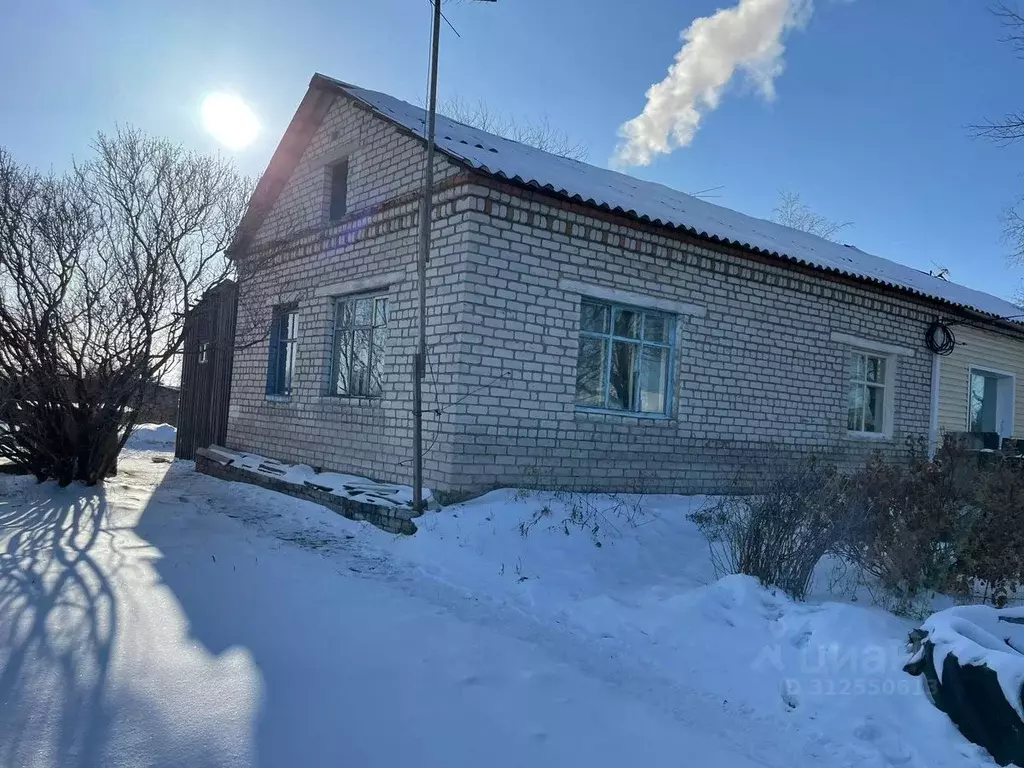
338 180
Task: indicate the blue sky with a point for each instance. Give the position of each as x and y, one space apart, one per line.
869 123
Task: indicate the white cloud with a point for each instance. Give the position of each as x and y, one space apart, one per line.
747 38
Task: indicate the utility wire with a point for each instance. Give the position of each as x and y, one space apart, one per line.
451 26
440 411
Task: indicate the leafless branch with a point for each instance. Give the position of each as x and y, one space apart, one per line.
793 212
1010 127
98 270
539 134
1013 22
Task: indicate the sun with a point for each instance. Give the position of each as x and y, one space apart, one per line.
229 120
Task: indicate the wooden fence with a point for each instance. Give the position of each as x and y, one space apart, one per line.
206 371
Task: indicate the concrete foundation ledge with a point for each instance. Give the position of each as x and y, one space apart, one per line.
220 462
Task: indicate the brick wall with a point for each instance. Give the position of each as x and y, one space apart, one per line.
385 164
757 378
376 241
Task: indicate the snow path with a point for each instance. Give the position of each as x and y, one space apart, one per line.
170 634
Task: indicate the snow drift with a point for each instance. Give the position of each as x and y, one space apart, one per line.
152 437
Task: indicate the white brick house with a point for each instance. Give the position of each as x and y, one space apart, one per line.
585 328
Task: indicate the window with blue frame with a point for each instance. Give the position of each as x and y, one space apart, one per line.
281 361
624 358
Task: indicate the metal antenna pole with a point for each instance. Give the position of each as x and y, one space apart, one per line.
426 208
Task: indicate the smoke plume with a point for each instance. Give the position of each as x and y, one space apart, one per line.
747 38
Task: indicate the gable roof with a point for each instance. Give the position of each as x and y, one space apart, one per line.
661 205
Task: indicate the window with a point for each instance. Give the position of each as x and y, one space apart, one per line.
624 356
867 401
360 333
990 398
281 361
203 335
339 189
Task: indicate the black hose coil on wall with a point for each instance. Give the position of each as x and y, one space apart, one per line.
939 338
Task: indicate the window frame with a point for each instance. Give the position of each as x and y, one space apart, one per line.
610 338
887 387
337 302
332 169
279 319
1006 396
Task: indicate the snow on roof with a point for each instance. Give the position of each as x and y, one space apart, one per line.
663 205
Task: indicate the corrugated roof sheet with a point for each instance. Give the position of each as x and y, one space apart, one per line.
663 205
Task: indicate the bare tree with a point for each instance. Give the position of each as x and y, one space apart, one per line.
540 134
791 211
98 269
1010 127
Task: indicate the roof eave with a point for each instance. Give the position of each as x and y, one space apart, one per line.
307 118
711 238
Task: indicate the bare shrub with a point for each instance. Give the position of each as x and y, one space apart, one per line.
912 518
945 525
990 563
98 269
779 534
601 513
909 526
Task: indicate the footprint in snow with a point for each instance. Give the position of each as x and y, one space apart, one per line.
867 731
789 697
889 744
802 637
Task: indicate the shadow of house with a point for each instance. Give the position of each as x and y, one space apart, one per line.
242 595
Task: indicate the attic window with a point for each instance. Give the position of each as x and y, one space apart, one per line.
338 173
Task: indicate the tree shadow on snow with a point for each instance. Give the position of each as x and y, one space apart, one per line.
60 617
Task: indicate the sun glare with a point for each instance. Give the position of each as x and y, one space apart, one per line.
229 120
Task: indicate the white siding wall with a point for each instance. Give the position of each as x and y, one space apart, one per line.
982 349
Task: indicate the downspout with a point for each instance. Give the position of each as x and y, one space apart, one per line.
933 425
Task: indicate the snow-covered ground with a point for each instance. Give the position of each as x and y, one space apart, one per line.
175 619
152 437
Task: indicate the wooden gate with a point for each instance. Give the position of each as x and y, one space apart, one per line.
208 352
